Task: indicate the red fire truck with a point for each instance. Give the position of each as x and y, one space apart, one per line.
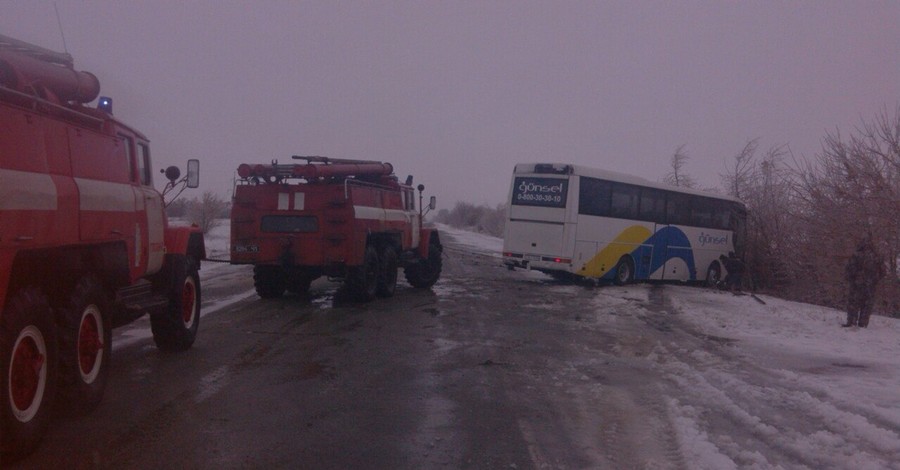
84 243
345 219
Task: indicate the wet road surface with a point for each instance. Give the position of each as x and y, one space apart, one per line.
489 369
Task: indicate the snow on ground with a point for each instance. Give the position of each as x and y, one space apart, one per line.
817 392
477 242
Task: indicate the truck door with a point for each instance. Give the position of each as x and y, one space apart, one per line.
409 205
150 224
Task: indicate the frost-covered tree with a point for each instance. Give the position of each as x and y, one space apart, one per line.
678 177
851 190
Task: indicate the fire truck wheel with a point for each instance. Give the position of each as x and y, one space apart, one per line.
269 281
85 344
363 280
175 329
28 365
298 282
427 271
387 275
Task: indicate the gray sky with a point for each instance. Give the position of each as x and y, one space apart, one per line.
456 93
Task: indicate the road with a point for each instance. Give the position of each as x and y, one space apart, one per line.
489 369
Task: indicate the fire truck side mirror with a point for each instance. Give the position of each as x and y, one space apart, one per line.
193 173
432 203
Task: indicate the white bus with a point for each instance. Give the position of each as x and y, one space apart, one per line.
569 220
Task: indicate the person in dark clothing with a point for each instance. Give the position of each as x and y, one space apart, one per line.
734 278
864 269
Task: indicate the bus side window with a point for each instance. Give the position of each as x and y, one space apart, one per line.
678 209
653 205
702 212
624 201
722 215
594 196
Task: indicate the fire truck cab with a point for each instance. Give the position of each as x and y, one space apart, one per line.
346 219
84 242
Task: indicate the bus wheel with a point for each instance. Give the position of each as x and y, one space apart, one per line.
713 275
624 271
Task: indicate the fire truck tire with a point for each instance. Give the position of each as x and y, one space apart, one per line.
85 345
363 280
387 274
427 271
29 358
298 282
175 329
269 281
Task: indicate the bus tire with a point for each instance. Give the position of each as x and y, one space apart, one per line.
713 274
624 272
29 358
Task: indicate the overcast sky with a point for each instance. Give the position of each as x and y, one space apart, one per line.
456 93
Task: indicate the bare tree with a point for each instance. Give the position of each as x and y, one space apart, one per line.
764 184
739 177
677 177
851 190
207 212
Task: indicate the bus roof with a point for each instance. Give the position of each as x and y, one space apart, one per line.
579 170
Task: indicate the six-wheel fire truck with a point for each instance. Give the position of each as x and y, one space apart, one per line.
345 219
84 243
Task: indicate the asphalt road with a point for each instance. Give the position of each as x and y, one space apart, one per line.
489 369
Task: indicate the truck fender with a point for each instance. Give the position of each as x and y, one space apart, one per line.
185 241
429 234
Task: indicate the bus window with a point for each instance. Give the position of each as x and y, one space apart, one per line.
722 215
653 205
624 201
702 212
678 209
594 196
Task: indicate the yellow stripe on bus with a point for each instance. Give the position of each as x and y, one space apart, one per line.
607 258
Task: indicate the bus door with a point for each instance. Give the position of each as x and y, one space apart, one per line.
657 254
679 257
643 260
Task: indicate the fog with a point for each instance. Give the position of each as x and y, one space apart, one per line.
456 93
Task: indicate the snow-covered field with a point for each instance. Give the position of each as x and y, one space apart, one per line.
798 381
